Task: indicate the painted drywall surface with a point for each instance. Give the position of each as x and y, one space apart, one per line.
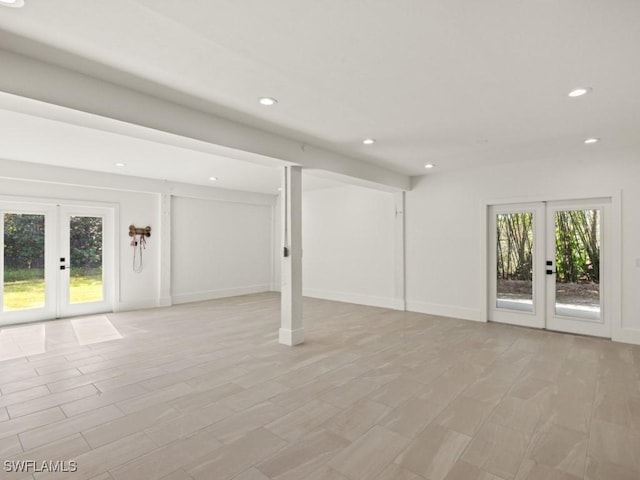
277 244
219 249
137 290
347 241
444 245
143 207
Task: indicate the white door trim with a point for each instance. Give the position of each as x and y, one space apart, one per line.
523 317
64 307
618 333
600 326
53 206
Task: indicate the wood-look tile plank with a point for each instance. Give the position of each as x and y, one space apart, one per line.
69 426
161 396
434 452
31 382
369 455
303 457
51 400
497 450
559 448
129 424
465 415
302 420
21 396
65 449
234 458
77 407
234 427
9 446
410 418
164 432
28 422
165 461
200 388
110 456
356 420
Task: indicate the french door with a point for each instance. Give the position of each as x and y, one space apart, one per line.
550 265
56 261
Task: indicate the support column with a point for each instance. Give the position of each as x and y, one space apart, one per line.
291 326
399 252
164 299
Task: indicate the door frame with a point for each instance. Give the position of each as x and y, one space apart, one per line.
52 263
64 307
48 311
536 317
615 243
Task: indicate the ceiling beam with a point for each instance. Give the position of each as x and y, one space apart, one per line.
45 82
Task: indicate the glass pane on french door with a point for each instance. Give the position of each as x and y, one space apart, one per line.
516 253
577 261
23 261
514 261
55 261
85 252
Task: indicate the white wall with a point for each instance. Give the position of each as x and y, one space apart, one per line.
348 245
219 249
445 248
140 209
222 216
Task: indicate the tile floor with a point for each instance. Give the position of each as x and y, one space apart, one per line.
204 391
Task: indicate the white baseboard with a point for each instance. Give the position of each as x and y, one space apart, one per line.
291 337
626 335
356 298
446 311
165 301
137 305
213 294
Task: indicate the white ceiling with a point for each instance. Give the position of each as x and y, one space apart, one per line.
40 140
457 84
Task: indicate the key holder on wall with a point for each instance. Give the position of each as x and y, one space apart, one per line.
139 243
133 231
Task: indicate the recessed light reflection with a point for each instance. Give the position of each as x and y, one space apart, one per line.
12 3
578 92
267 101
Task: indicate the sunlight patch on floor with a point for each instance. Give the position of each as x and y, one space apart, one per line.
90 330
18 342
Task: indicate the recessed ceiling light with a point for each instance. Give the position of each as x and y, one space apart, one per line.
591 140
429 165
213 179
12 3
368 141
119 164
267 101
578 92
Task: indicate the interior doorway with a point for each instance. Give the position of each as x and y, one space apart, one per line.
56 261
550 265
